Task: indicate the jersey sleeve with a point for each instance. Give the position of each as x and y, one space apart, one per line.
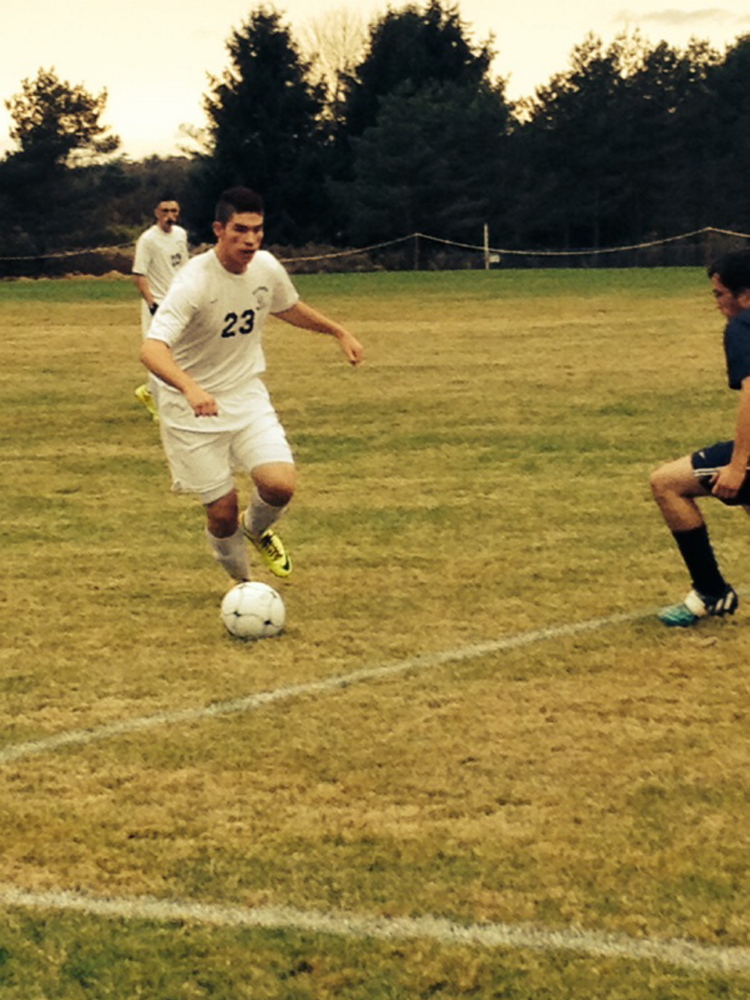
284 294
174 313
141 257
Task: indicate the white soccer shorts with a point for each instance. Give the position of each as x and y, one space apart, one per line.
203 462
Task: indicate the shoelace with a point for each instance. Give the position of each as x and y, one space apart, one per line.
270 546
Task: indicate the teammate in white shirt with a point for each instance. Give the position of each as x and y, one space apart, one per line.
160 252
204 348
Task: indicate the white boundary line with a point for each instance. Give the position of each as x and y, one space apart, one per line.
678 953
83 737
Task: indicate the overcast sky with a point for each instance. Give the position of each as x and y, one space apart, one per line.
154 56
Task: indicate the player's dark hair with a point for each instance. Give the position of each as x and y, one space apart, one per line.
235 200
733 271
166 196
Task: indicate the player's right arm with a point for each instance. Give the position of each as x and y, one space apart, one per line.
168 325
727 484
141 261
158 358
144 290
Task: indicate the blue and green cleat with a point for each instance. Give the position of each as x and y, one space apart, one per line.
697 606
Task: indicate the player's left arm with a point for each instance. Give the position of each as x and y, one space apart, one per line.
304 316
731 477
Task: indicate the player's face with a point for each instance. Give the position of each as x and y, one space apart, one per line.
239 240
167 213
726 302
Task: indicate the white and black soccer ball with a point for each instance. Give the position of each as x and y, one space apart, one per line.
253 610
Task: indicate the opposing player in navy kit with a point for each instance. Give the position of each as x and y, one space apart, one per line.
720 470
160 251
205 352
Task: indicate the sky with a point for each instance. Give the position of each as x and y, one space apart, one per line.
154 57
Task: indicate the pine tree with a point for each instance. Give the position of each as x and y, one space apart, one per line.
264 129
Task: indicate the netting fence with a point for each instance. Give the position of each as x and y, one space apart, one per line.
417 251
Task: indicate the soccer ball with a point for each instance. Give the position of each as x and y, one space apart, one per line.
253 610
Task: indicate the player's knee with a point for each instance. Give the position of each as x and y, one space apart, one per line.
276 483
276 494
658 482
222 516
674 479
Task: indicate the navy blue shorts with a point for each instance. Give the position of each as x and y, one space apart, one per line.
708 461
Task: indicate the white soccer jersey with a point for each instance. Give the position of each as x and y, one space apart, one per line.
158 256
213 322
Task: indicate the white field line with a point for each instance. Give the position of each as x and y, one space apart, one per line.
677 953
82 737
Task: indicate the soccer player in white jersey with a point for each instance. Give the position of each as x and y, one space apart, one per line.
160 251
205 354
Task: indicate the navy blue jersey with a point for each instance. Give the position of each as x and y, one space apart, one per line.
737 349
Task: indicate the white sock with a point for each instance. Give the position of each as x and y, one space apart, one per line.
231 554
261 515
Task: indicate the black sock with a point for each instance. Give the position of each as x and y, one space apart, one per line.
695 549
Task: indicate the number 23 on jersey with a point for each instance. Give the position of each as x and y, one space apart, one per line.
234 324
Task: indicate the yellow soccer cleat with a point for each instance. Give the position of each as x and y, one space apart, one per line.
271 549
143 395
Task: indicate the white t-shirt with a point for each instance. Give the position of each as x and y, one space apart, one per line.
212 320
158 256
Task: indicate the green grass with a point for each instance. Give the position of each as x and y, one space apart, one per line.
464 286
68 957
510 284
483 474
75 289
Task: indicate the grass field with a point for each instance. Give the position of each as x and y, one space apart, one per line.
474 765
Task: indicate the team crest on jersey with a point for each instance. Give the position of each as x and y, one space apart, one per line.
176 259
261 297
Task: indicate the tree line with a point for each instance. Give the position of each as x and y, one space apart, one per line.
405 130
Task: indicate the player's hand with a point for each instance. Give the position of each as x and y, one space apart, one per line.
728 481
202 402
353 350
